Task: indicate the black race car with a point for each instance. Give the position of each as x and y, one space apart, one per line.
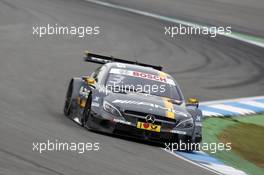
132 99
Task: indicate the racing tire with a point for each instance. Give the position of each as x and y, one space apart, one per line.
86 112
68 101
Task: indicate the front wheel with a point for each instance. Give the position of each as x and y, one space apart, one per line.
86 112
68 101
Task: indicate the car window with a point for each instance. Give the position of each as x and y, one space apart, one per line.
130 80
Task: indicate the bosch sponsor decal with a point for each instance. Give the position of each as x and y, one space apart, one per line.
142 75
149 76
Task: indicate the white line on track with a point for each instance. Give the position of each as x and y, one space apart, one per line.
234 35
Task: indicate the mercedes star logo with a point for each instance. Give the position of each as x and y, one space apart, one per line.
150 118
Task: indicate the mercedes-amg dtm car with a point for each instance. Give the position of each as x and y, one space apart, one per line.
133 99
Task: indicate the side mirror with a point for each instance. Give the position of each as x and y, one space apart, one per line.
89 80
192 102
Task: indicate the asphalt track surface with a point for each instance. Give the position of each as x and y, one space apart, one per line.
243 15
34 73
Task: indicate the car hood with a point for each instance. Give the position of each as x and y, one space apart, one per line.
146 103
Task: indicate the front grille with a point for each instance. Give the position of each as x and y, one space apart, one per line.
165 122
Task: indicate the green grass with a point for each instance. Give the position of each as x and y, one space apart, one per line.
247 141
255 119
212 128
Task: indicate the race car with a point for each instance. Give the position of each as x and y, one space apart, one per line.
132 99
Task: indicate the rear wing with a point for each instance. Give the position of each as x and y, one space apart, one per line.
101 59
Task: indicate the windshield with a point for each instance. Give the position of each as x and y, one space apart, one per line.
121 80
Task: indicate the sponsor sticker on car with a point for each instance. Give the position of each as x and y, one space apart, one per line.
148 126
142 75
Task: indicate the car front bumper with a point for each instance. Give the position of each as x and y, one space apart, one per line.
110 124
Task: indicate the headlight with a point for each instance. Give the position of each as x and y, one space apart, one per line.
187 123
111 109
